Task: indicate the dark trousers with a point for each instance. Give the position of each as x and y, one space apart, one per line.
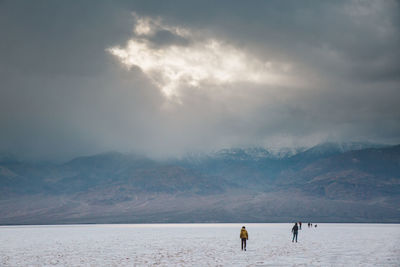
244 243
294 236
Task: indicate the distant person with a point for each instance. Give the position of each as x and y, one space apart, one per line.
308 225
244 236
315 225
295 231
300 225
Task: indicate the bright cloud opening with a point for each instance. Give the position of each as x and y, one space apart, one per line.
199 61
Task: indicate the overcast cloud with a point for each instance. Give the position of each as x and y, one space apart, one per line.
169 77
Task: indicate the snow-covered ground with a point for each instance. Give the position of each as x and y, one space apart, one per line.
199 245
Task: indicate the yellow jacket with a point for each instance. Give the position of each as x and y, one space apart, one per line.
244 234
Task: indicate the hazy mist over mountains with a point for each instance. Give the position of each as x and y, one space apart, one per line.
329 182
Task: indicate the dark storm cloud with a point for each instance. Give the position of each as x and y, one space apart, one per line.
63 94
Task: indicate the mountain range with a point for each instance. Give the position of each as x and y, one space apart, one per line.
330 182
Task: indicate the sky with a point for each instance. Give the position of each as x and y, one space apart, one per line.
165 78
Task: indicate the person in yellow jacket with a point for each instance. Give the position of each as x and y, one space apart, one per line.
244 236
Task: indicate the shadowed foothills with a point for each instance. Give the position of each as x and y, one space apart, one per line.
325 183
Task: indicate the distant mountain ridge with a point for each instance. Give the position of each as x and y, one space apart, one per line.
257 153
357 182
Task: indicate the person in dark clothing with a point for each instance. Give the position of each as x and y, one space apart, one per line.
244 236
300 225
295 231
